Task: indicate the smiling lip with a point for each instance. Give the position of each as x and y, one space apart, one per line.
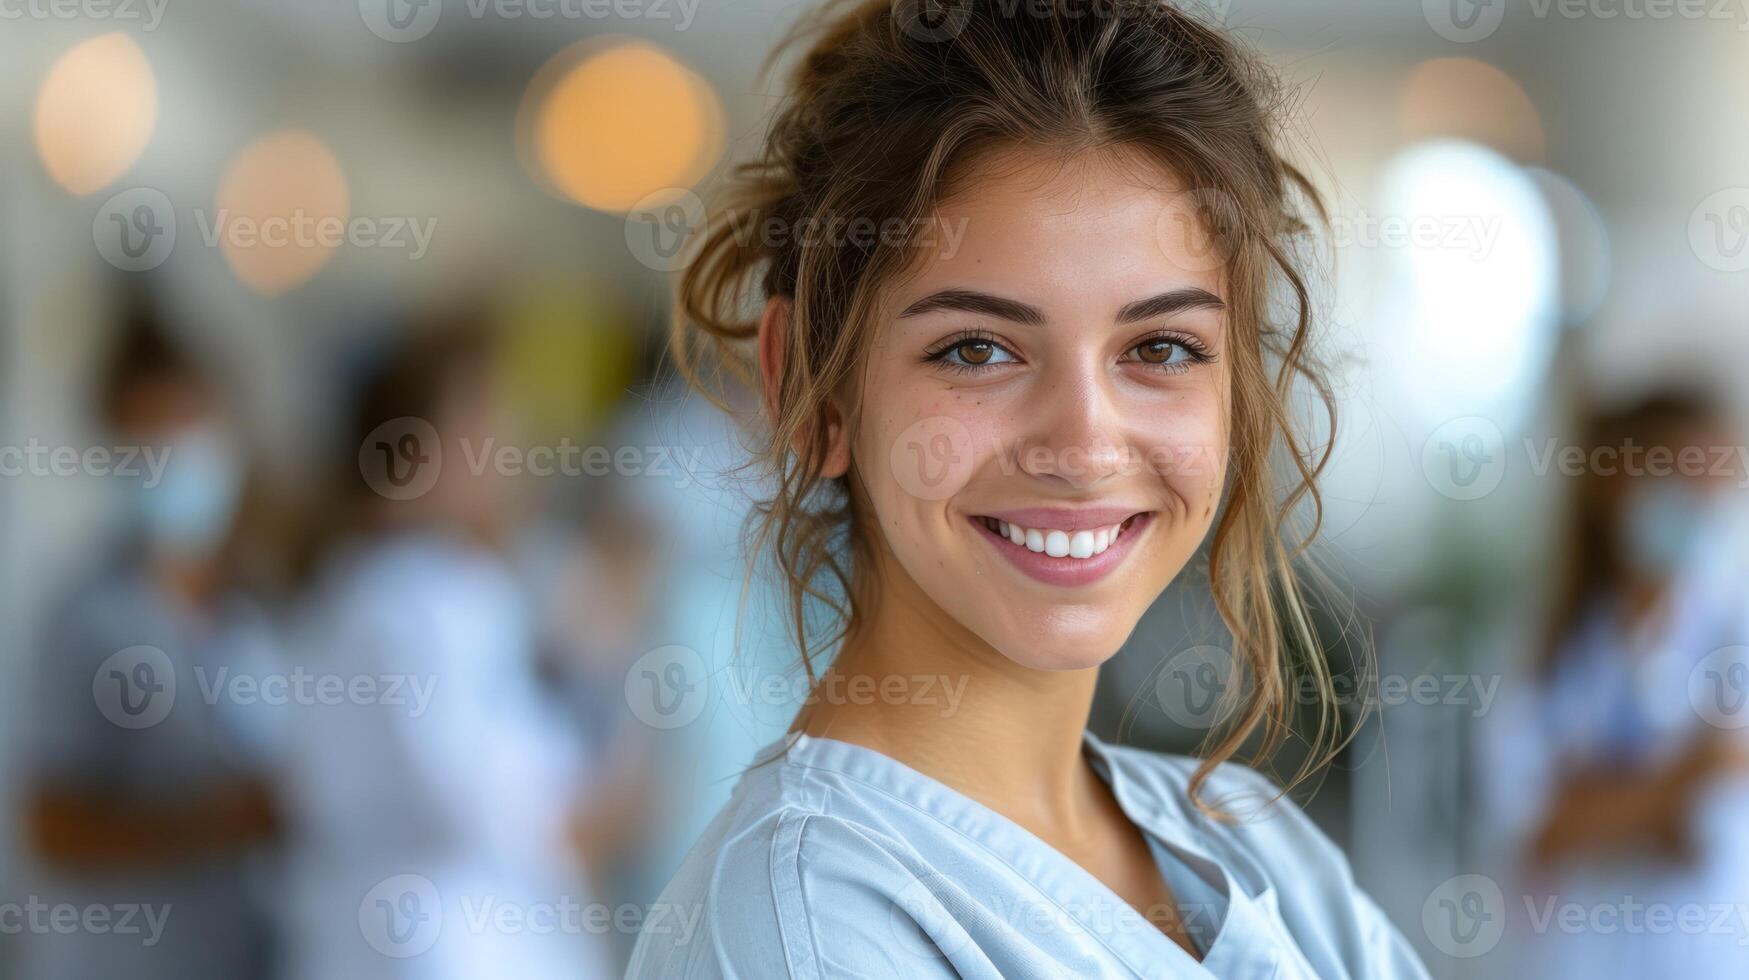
1067 518
1066 572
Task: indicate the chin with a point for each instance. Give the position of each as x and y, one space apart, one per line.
1074 638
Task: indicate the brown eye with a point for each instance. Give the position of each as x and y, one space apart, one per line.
1156 351
976 351
972 353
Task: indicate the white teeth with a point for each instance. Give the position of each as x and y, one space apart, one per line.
1081 544
1058 544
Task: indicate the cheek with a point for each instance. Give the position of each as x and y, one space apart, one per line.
1188 452
918 446
913 453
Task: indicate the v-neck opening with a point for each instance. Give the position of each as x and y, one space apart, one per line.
1048 870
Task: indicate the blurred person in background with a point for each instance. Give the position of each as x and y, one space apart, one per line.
142 791
435 809
693 550
588 564
1624 788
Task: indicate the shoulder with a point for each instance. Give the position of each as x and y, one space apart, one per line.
1269 846
1243 806
777 888
1246 820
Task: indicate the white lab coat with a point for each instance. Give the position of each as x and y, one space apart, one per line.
430 840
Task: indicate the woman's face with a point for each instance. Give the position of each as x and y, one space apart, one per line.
1044 425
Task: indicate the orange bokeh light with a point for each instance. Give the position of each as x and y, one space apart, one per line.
610 124
281 210
95 112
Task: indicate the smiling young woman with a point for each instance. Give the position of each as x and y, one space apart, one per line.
999 426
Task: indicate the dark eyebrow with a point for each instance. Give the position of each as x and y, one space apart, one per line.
971 301
1167 303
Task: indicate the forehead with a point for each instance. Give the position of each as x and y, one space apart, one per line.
1100 228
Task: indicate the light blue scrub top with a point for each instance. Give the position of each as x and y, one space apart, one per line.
833 860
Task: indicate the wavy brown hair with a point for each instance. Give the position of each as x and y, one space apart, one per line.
889 107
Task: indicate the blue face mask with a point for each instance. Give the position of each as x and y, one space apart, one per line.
190 508
1667 527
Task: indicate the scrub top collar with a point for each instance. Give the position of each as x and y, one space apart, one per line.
1239 933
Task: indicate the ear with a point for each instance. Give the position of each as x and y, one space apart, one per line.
773 329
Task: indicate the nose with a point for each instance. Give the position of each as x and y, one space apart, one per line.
1076 438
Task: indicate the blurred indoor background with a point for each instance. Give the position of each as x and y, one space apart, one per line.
369 583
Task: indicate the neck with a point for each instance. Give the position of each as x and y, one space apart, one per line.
915 685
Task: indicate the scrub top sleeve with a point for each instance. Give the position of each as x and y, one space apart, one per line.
806 896
1331 919
70 741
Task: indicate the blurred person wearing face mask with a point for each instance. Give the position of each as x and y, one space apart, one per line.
431 806
1626 781
143 794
